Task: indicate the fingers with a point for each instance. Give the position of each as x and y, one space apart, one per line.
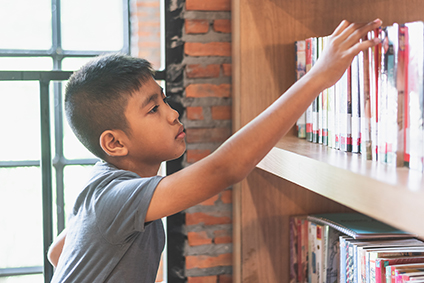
352 32
365 45
357 31
342 26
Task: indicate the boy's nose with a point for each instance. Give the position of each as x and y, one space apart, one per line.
173 116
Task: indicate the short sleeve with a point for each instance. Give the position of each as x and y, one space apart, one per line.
121 207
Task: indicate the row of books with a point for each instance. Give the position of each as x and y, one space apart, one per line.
352 247
377 107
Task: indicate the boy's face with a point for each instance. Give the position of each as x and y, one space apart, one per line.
156 133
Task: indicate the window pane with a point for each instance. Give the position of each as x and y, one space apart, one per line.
20 119
92 24
73 64
72 147
26 24
26 63
21 243
75 178
38 278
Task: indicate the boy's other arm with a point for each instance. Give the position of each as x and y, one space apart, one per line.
239 155
56 247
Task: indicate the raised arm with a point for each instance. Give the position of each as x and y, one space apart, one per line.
238 156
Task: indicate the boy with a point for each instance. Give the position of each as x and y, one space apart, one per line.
120 114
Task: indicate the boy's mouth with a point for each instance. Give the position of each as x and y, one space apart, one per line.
181 133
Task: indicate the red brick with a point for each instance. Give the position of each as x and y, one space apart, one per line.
207 49
194 155
223 237
227 196
148 3
206 135
207 219
198 238
196 26
225 278
221 112
227 69
210 5
222 25
203 279
208 90
210 201
199 71
195 113
203 261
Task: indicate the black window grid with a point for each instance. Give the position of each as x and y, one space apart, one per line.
46 161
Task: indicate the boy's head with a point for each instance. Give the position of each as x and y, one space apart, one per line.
97 94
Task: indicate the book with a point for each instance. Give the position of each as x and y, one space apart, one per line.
400 86
358 226
372 250
310 111
415 95
298 249
382 263
391 114
364 77
355 105
300 49
391 270
368 250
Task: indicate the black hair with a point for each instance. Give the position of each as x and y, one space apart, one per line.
97 94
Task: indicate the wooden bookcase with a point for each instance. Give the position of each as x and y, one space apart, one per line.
298 177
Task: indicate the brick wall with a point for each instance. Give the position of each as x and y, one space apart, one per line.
146 30
207 82
199 82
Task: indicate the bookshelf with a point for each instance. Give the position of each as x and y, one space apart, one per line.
298 177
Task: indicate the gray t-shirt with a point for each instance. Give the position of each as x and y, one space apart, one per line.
107 239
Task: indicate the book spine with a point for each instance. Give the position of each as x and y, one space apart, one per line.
391 129
400 85
300 72
293 250
343 102
356 114
330 117
309 111
382 96
406 101
365 107
415 95
350 267
342 270
305 251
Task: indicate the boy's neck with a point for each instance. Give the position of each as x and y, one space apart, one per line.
143 170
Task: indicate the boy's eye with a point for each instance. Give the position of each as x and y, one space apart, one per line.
154 109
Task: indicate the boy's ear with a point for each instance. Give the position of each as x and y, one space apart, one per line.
112 143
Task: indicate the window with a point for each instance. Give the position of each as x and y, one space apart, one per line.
42 165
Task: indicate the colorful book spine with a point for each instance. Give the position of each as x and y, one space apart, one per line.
391 127
309 111
355 105
300 72
400 85
365 106
415 95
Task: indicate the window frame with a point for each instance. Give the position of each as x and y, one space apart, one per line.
46 162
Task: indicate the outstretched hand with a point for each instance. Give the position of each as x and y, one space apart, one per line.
343 45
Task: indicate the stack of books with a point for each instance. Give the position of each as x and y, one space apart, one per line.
377 107
352 247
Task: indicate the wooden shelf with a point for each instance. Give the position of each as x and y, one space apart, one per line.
392 195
